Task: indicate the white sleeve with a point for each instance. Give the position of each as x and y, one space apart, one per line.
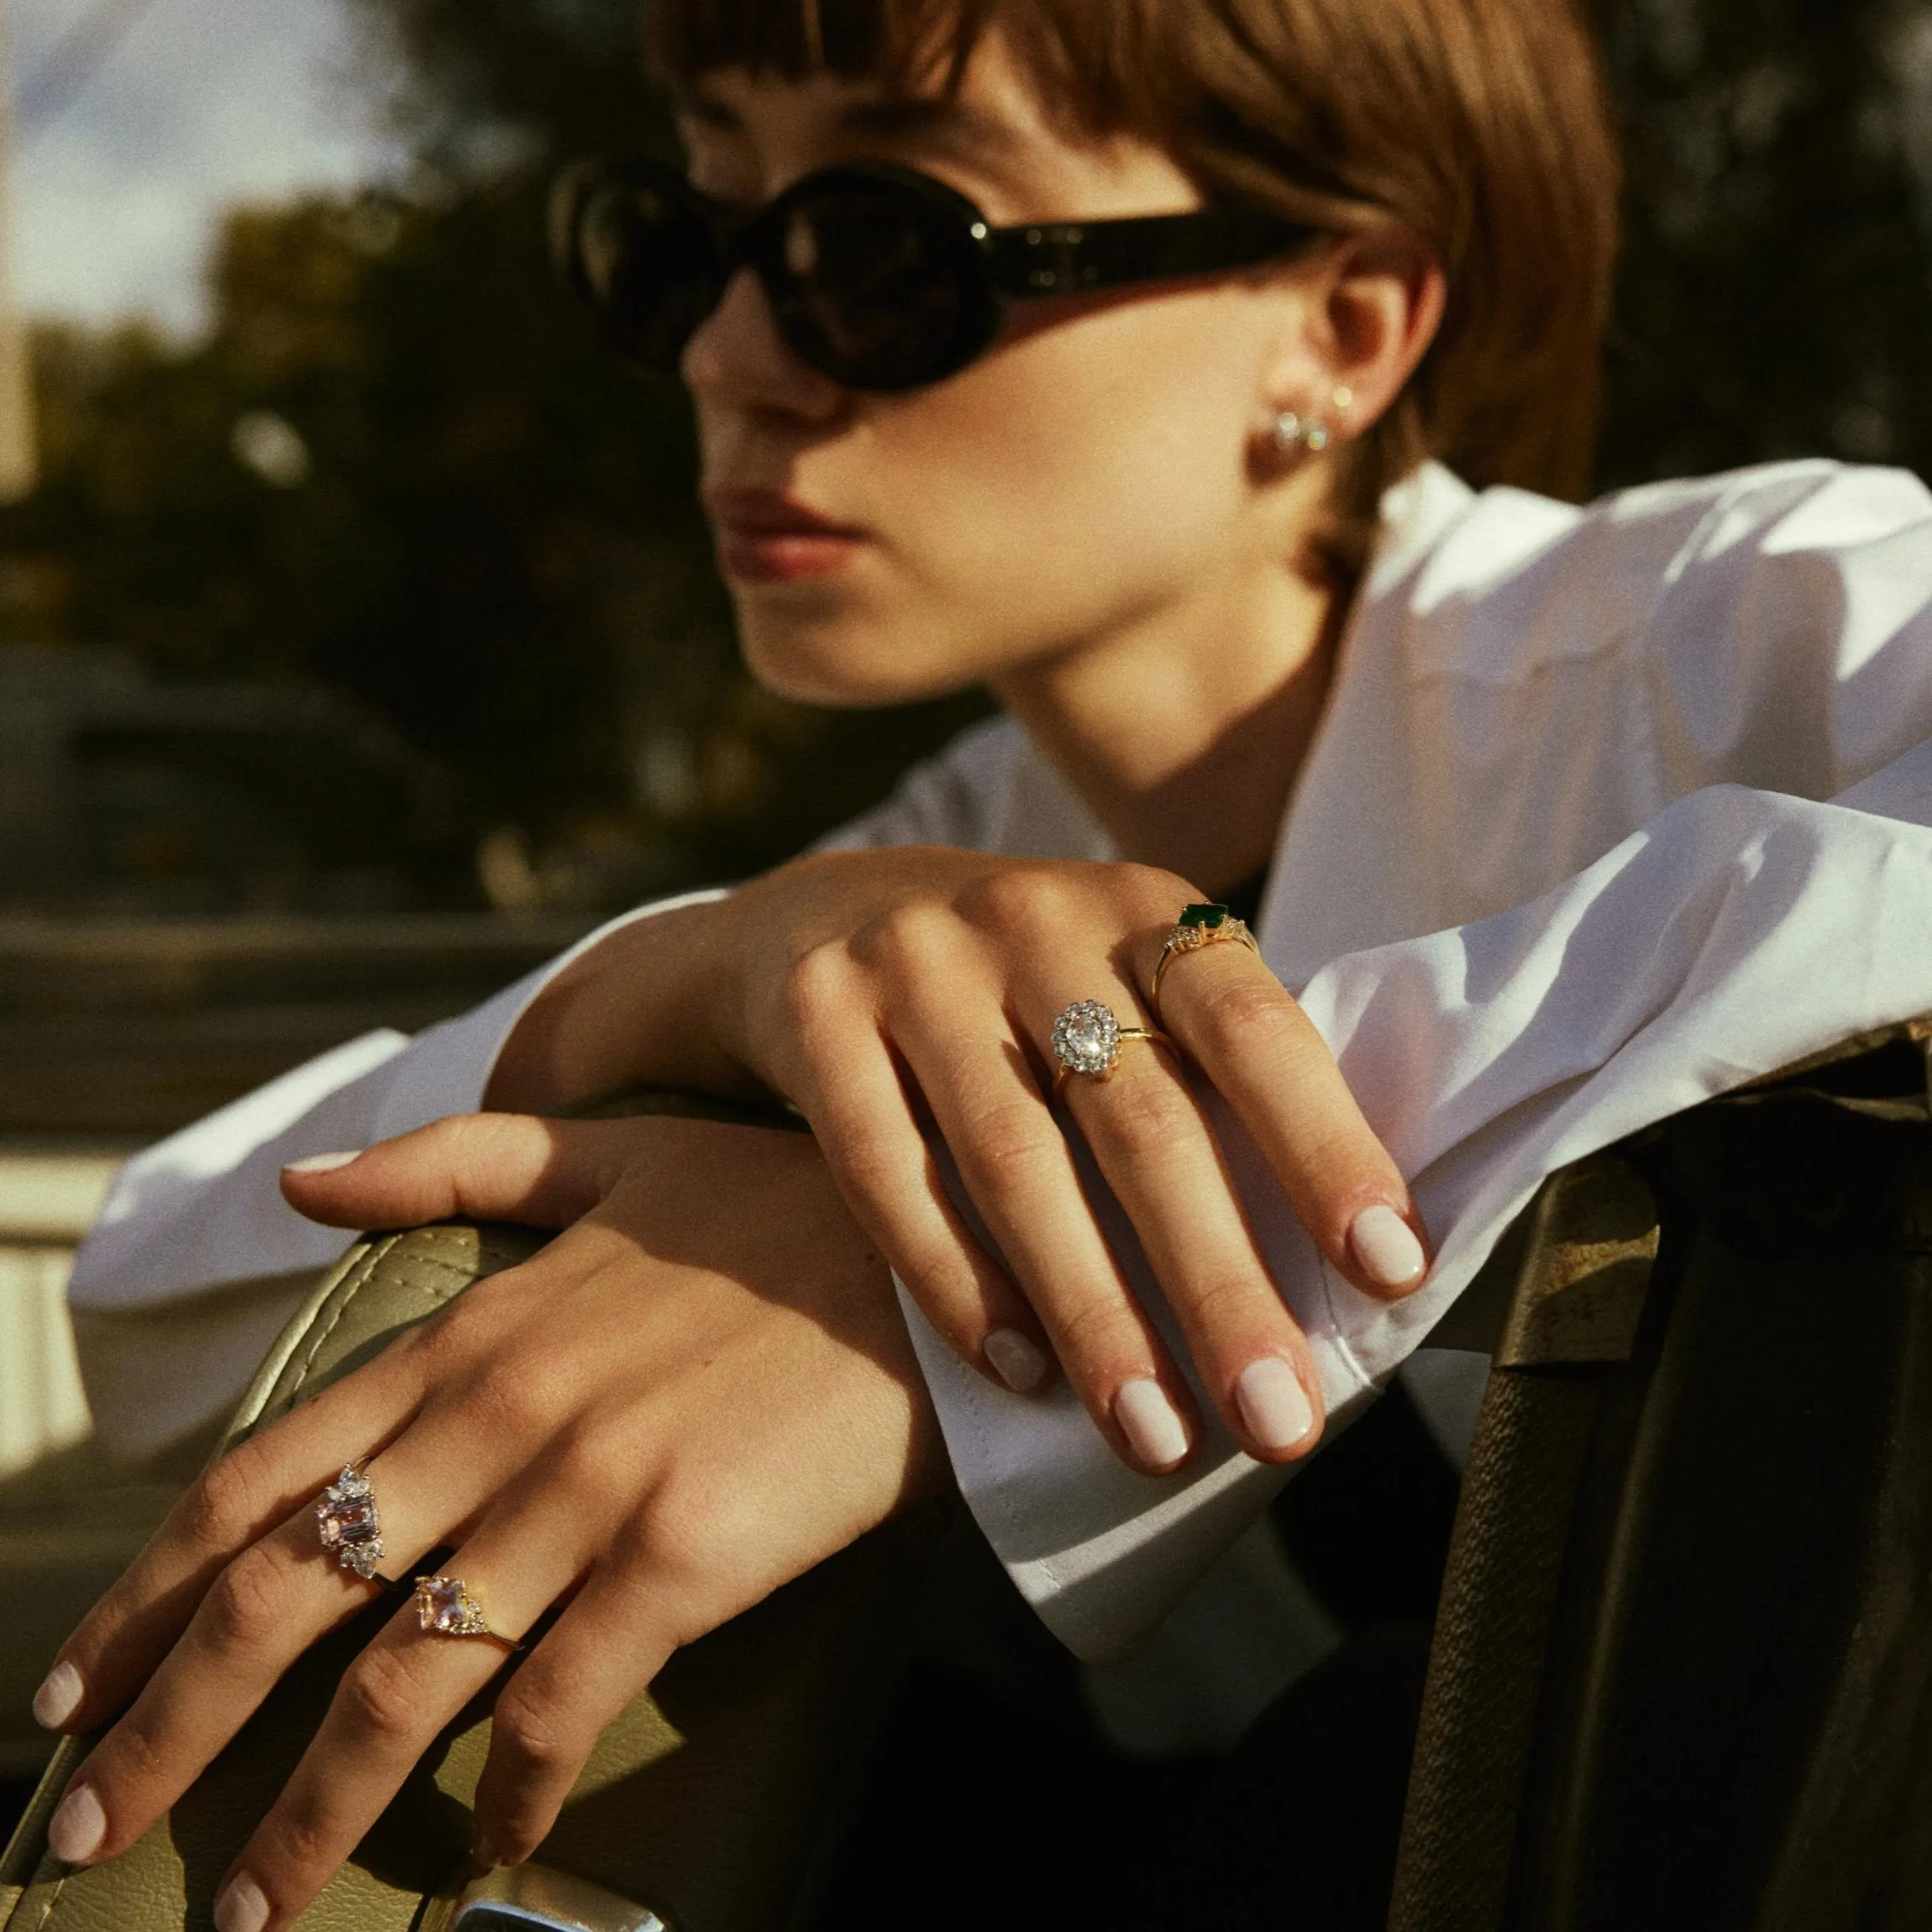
1736 932
196 1224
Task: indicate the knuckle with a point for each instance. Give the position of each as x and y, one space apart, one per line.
869 1166
583 1465
248 1602
1019 899
1235 1013
816 985
1145 1118
1098 1332
219 1511
1152 887
133 1754
526 1728
518 1395
904 943
380 1701
1005 1142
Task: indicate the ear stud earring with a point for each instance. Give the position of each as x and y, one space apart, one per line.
1293 430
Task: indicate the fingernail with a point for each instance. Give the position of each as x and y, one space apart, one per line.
1148 1422
75 1830
1273 1404
59 1697
486 1854
1015 1361
322 1164
1386 1246
243 1906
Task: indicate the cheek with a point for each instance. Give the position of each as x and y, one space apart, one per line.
1085 474
1084 477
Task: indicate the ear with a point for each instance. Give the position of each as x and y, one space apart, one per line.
1371 307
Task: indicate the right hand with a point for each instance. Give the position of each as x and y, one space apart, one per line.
873 988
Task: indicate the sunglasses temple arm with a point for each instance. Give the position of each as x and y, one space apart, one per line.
1074 257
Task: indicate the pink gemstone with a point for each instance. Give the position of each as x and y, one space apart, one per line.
442 1606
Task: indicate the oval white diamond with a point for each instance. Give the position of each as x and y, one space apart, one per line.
1087 1037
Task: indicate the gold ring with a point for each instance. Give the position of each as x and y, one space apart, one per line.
1200 925
1088 1037
446 1608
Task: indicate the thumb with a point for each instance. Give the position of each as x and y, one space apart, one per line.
482 1167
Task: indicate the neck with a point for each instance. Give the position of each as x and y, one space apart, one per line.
1185 735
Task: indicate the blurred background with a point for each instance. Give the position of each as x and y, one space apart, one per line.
359 639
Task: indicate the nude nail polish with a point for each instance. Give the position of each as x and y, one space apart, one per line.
241 1906
1273 1404
1147 1419
322 1164
75 1830
1386 1247
1015 1361
59 1697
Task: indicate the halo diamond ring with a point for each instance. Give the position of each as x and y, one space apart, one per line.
1088 1037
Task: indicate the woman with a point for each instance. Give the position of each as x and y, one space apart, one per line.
1171 493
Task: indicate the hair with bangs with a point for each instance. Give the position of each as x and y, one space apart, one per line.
1481 125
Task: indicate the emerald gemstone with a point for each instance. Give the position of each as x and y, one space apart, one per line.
1205 917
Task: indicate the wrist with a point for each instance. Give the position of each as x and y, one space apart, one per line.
635 1009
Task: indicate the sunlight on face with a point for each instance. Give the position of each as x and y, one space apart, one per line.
1089 475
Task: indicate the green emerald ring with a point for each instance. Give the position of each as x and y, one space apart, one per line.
1197 927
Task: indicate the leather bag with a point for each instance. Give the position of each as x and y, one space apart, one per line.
1681 1674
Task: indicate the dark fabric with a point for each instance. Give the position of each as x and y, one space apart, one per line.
1298 1829
1367 1522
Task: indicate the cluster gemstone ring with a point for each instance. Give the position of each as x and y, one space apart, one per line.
1087 1039
348 1524
1198 926
445 1609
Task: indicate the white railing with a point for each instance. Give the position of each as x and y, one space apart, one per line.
47 1202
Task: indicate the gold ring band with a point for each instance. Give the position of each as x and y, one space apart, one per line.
1200 927
1088 1039
445 1608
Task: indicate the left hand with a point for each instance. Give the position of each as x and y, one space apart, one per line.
674 1409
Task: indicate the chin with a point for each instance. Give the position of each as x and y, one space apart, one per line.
844 665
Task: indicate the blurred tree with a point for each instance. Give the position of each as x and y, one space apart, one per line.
401 465
1775 296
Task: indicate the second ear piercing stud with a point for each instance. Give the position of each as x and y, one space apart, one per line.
1292 429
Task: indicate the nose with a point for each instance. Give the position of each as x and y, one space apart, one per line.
737 359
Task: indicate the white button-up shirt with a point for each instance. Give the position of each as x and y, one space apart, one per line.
1611 808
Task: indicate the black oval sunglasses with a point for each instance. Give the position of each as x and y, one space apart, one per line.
880 276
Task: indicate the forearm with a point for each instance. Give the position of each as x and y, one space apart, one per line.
638 1008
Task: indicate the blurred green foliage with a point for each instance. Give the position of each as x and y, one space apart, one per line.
399 466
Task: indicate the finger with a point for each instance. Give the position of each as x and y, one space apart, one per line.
392 1703
606 1646
489 1167
885 1168
236 1502
261 1613
1253 1040
1160 1157
1015 1163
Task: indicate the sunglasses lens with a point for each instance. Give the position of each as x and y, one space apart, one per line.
880 286
646 258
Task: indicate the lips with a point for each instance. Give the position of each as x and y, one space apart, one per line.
764 537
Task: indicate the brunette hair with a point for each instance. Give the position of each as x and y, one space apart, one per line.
1482 125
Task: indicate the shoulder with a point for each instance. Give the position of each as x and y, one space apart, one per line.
1504 580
